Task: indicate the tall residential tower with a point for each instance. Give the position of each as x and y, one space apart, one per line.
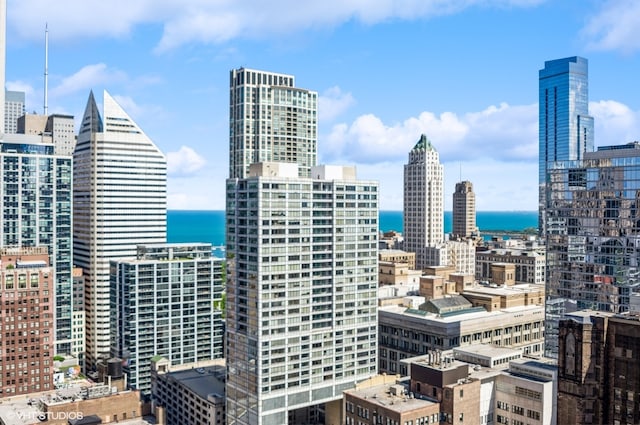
270 120
302 292
119 202
302 268
424 204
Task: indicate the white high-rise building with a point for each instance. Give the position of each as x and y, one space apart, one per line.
270 120
119 202
424 205
301 291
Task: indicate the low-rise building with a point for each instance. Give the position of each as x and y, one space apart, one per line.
397 256
503 316
384 400
484 384
397 273
529 261
391 240
189 394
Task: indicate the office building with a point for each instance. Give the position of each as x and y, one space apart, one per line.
162 303
271 120
464 212
301 290
190 393
424 205
485 384
598 377
593 233
78 316
529 262
510 316
13 109
27 291
119 202
57 129
565 126
36 211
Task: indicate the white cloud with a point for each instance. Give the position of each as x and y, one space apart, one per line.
496 149
615 122
215 21
185 161
332 103
616 26
503 132
87 78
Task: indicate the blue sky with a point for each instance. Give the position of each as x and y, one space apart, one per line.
464 72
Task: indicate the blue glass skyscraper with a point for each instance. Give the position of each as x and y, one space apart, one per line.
565 126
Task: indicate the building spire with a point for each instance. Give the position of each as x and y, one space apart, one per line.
46 69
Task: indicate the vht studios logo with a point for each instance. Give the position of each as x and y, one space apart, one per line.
49 416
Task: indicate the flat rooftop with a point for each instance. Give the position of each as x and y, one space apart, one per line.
473 315
381 396
203 381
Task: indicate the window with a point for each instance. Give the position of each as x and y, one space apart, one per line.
502 405
533 414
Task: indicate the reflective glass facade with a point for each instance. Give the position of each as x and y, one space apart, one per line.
35 203
565 127
593 234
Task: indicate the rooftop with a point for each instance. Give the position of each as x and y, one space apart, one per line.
204 381
472 315
382 395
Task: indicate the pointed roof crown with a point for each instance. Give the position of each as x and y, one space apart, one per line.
91 121
424 144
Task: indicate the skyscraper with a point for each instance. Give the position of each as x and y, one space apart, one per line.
13 109
120 201
162 304
301 289
35 201
565 126
464 211
270 120
593 234
424 204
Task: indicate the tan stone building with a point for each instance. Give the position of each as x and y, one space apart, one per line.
397 256
382 400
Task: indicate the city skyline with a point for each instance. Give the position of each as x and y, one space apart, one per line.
384 76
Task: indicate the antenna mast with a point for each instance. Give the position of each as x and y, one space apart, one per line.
46 69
